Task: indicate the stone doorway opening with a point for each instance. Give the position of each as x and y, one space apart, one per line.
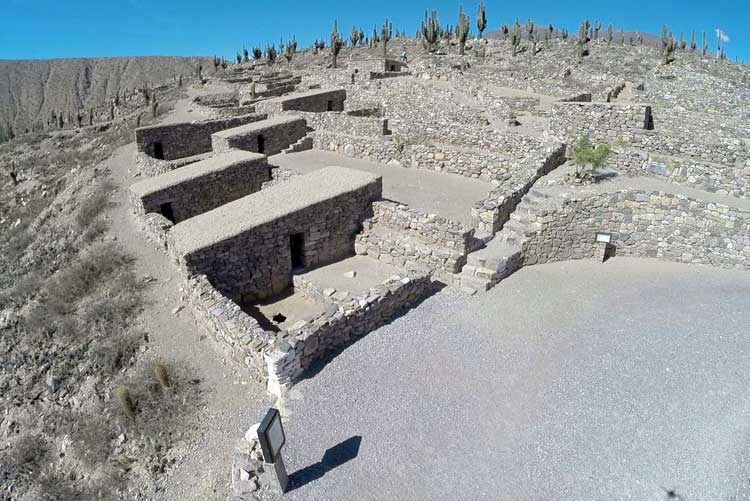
330 105
167 211
159 150
261 144
297 247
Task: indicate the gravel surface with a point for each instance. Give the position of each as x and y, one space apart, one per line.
574 380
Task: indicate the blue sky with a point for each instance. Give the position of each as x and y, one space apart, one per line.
41 29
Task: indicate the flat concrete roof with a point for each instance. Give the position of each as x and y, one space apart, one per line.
257 126
194 122
194 171
309 93
265 206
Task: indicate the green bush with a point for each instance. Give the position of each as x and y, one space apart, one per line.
589 158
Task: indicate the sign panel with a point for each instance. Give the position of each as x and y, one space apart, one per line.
271 435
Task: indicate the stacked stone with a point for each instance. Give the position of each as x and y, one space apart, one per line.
644 224
602 122
278 134
247 466
237 333
316 101
340 325
488 215
188 138
408 238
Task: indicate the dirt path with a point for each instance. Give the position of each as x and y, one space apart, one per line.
232 399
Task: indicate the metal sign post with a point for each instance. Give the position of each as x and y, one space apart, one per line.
271 438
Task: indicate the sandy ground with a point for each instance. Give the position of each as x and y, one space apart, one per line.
448 195
573 380
232 398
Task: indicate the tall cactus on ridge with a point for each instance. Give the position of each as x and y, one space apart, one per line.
530 32
336 44
386 33
430 31
462 30
481 19
515 38
583 38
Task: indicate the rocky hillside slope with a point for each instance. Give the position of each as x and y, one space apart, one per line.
31 90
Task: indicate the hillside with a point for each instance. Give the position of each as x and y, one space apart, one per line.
31 90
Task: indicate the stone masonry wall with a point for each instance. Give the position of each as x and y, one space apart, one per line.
188 138
198 194
489 215
314 101
602 122
278 134
342 324
410 239
257 263
645 224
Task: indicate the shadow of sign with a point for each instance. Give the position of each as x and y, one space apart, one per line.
332 458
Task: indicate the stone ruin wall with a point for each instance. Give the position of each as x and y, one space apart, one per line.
342 324
186 139
706 176
277 136
316 102
601 122
196 195
491 213
410 239
651 224
256 264
344 123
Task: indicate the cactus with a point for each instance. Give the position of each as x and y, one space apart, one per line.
162 376
154 108
597 29
354 36
564 34
583 39
430 32
123 398
462 30
664 37
336 44
199 72
504 30
515 38
91 116
481 19
239 58
705 44
531 36
386 32
271 53
245 55
610 35
683 43
693 44
668 49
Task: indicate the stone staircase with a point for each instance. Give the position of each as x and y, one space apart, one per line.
305 143
503 255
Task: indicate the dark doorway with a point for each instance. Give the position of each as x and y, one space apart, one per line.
297 245
159 150
330 105
261 144
166 211
393 67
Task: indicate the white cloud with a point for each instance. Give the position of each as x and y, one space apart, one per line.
721 35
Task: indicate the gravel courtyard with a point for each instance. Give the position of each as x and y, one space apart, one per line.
573 380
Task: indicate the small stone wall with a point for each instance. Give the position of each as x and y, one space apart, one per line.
187 138
340 325
201 186
491 213
382 149
410 239
343 123
238 334
277 133
316 101
644 224
602 122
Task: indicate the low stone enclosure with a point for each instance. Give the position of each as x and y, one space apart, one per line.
270 136
316 101
199 187
250 247
173 141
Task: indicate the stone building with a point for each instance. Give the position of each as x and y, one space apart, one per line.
173 141
249 248
199 187
317 101
269 136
